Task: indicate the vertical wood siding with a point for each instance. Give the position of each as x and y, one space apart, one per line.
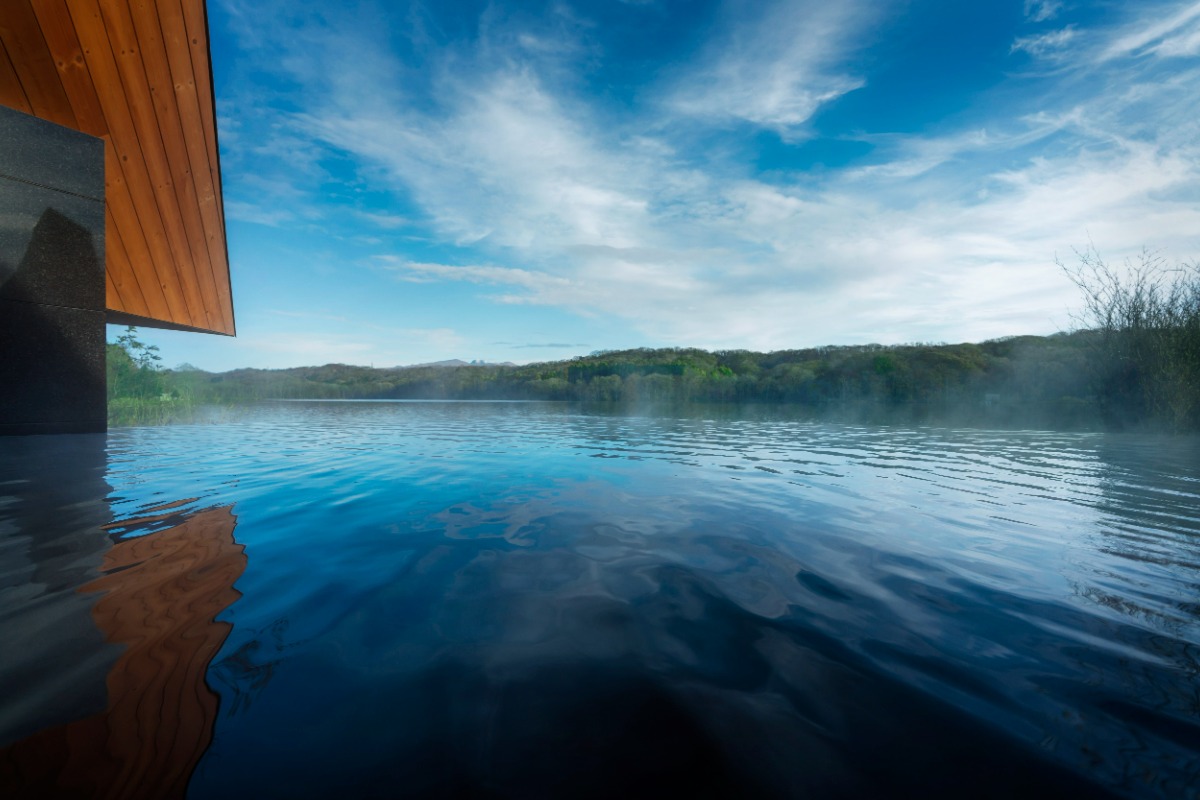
137 74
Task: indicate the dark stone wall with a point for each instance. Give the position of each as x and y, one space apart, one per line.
51 278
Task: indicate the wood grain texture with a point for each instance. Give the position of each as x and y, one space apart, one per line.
54 21
158 596
12 93
26 46
123 290
147 73
136 73
138 263
196 24
115 59
187 104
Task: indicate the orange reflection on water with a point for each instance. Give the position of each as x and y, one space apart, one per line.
161 593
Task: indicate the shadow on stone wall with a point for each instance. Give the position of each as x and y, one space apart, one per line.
52 376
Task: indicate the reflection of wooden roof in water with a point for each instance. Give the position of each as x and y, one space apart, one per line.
137 74
161 593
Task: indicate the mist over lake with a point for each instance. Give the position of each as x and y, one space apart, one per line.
540 600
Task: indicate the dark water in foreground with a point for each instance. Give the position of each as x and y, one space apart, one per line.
526 600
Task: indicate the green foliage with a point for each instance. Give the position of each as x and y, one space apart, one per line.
1028 381
145 356
138 391
133 368
1135 361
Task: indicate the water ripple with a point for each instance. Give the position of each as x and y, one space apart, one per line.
455 589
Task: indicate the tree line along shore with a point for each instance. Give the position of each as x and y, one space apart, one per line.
1136 365
1026 381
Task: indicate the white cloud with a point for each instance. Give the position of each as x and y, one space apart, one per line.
950 234
1186 43
777 70
911 156
1042 10
416 272
1164 37
1044 44
503 160
1154 33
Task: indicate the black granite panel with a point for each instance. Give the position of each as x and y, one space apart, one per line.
52 376
51 247
40 152
52 304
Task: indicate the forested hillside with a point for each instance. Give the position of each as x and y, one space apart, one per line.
1043 380
1135 363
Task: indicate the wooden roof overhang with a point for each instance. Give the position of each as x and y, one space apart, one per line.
137 74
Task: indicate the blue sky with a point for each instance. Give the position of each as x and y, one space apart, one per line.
411 182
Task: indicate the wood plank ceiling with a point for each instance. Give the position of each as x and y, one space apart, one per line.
136 73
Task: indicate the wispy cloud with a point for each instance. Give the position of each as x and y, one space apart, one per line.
1176 35
1042 10
775 70
560 200
1044 44
503 161
416 272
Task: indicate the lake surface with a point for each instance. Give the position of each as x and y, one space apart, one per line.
318 599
